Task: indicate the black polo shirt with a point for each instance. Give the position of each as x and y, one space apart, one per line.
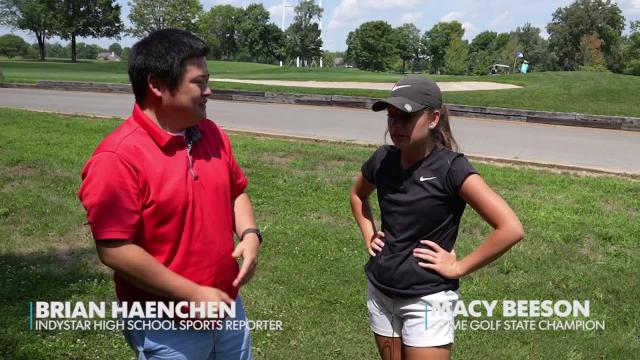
417 203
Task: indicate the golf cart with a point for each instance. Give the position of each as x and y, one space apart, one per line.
499 69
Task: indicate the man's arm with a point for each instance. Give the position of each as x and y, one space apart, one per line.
243 219
142 270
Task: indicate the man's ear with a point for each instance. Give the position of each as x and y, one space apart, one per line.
155 85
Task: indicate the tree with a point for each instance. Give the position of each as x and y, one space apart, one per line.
115 48
36 16
34 51
483 52
634 39
88 18
455 58
273 40
371 46
253 35
56 50
631 50
591 51
438 39
585 17
335 58
484 41
633 67
508 52
88 51
125 53
12 46
218 28
149 15
534 47
407 40
303 35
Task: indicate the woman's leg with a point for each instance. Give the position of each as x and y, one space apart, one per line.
427 332
427 353
386 326
390 348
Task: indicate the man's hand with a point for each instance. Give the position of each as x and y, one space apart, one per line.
247 249
210 294
142 270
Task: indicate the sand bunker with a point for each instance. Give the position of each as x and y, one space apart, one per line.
444 86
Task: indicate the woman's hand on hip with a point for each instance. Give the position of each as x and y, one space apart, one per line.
438 259
376 243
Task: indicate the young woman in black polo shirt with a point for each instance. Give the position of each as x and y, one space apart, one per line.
423 186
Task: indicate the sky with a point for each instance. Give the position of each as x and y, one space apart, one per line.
342 16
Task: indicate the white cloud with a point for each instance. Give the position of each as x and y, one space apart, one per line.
336 24
469 29
412 17
345 12
328 44
543 31
222 2
389 4
276 14
454 15
208 4
504 18
350 11
629 7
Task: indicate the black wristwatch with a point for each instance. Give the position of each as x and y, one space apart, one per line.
251 231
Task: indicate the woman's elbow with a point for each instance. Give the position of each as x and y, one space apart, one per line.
516 231
511 231
354 197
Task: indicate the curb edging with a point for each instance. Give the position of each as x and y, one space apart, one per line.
531 116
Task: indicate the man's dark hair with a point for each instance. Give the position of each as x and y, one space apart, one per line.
162 54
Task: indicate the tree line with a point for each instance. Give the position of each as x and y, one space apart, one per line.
586 35
68 19
245 34
232 33
13 46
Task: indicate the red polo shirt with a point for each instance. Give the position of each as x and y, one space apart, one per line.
142 184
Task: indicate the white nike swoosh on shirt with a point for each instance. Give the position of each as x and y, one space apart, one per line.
425 179
396 87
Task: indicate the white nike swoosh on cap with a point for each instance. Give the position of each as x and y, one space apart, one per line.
396 87
422 178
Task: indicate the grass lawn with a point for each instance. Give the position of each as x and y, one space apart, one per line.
581 243
584 92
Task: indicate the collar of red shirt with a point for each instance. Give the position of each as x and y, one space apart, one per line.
159 136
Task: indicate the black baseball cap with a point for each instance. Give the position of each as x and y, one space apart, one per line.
412 94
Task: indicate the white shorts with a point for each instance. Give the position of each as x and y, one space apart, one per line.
413 318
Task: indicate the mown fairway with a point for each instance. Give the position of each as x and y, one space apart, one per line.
581 243
584 92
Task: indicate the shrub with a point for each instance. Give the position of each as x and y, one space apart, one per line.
633 67
594 68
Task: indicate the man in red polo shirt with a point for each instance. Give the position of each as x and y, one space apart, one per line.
164 195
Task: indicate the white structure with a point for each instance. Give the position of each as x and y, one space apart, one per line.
109 56
284 8
320 32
